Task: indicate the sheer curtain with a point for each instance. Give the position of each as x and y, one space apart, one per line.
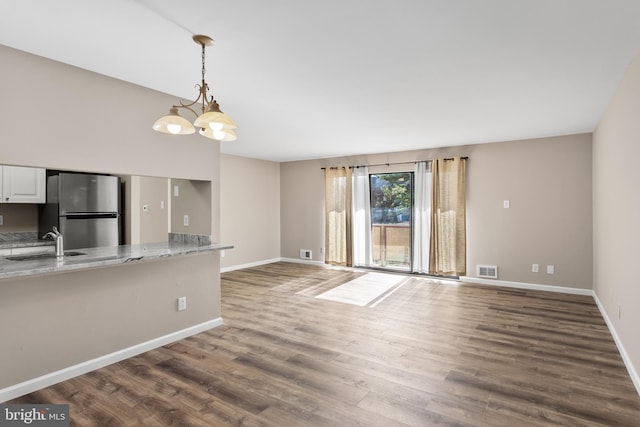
338 246
448 218
362 252
421 217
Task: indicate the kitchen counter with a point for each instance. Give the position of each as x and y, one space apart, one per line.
25 244
101 257
18 240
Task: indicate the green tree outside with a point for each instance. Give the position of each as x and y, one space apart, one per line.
390 197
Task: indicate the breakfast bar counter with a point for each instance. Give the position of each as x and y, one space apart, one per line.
79 259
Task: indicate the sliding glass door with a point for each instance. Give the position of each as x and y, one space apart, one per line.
408 221
391 220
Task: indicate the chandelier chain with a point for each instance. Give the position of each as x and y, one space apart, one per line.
204 83
203 63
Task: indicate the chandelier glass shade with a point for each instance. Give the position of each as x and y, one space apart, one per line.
212 122
220 135
174 124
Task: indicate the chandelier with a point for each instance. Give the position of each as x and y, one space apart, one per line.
212 122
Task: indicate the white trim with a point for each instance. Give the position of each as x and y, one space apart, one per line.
269 261
303 261
64 374
635 378
532 286
249 265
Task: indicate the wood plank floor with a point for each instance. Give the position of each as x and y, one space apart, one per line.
430 353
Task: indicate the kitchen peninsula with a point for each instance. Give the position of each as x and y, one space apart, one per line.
44 263
65 317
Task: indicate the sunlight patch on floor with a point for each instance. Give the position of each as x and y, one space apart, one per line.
364 290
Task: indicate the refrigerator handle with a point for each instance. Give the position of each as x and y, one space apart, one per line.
87 215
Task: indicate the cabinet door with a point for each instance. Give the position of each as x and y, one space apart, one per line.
23 185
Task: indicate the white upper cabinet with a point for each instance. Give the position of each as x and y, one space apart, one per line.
23 185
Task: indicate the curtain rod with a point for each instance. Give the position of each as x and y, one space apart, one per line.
391 164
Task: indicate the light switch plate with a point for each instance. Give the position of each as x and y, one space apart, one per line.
506 204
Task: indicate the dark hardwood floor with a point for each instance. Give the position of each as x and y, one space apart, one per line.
430 353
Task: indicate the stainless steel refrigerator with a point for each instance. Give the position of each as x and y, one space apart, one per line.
84 207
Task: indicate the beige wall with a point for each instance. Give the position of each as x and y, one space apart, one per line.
154 221
616 151
250 210
150 225
58 93
18 217
548 183
302 208
90 101
64 319
165 211
193 200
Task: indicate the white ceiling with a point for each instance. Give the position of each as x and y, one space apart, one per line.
330 78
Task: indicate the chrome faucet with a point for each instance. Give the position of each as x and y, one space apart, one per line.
57 236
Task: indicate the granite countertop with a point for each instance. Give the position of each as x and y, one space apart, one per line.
22 240
26 244
100 257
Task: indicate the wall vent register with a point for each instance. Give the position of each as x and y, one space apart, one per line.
487 271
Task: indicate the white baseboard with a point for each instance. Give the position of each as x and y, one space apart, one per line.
52 378
248 265
303 261
269 261
521 285
623 353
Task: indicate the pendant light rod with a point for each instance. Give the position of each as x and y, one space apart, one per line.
204 41
203 87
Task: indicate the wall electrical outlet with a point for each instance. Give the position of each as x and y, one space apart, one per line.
535 268
176 191
1 220
182 303
550 269
506 204
186 220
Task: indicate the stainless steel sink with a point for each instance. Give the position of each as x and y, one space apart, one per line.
31 257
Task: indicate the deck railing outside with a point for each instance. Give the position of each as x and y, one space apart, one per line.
392 245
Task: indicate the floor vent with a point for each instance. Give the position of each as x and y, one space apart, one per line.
488 271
